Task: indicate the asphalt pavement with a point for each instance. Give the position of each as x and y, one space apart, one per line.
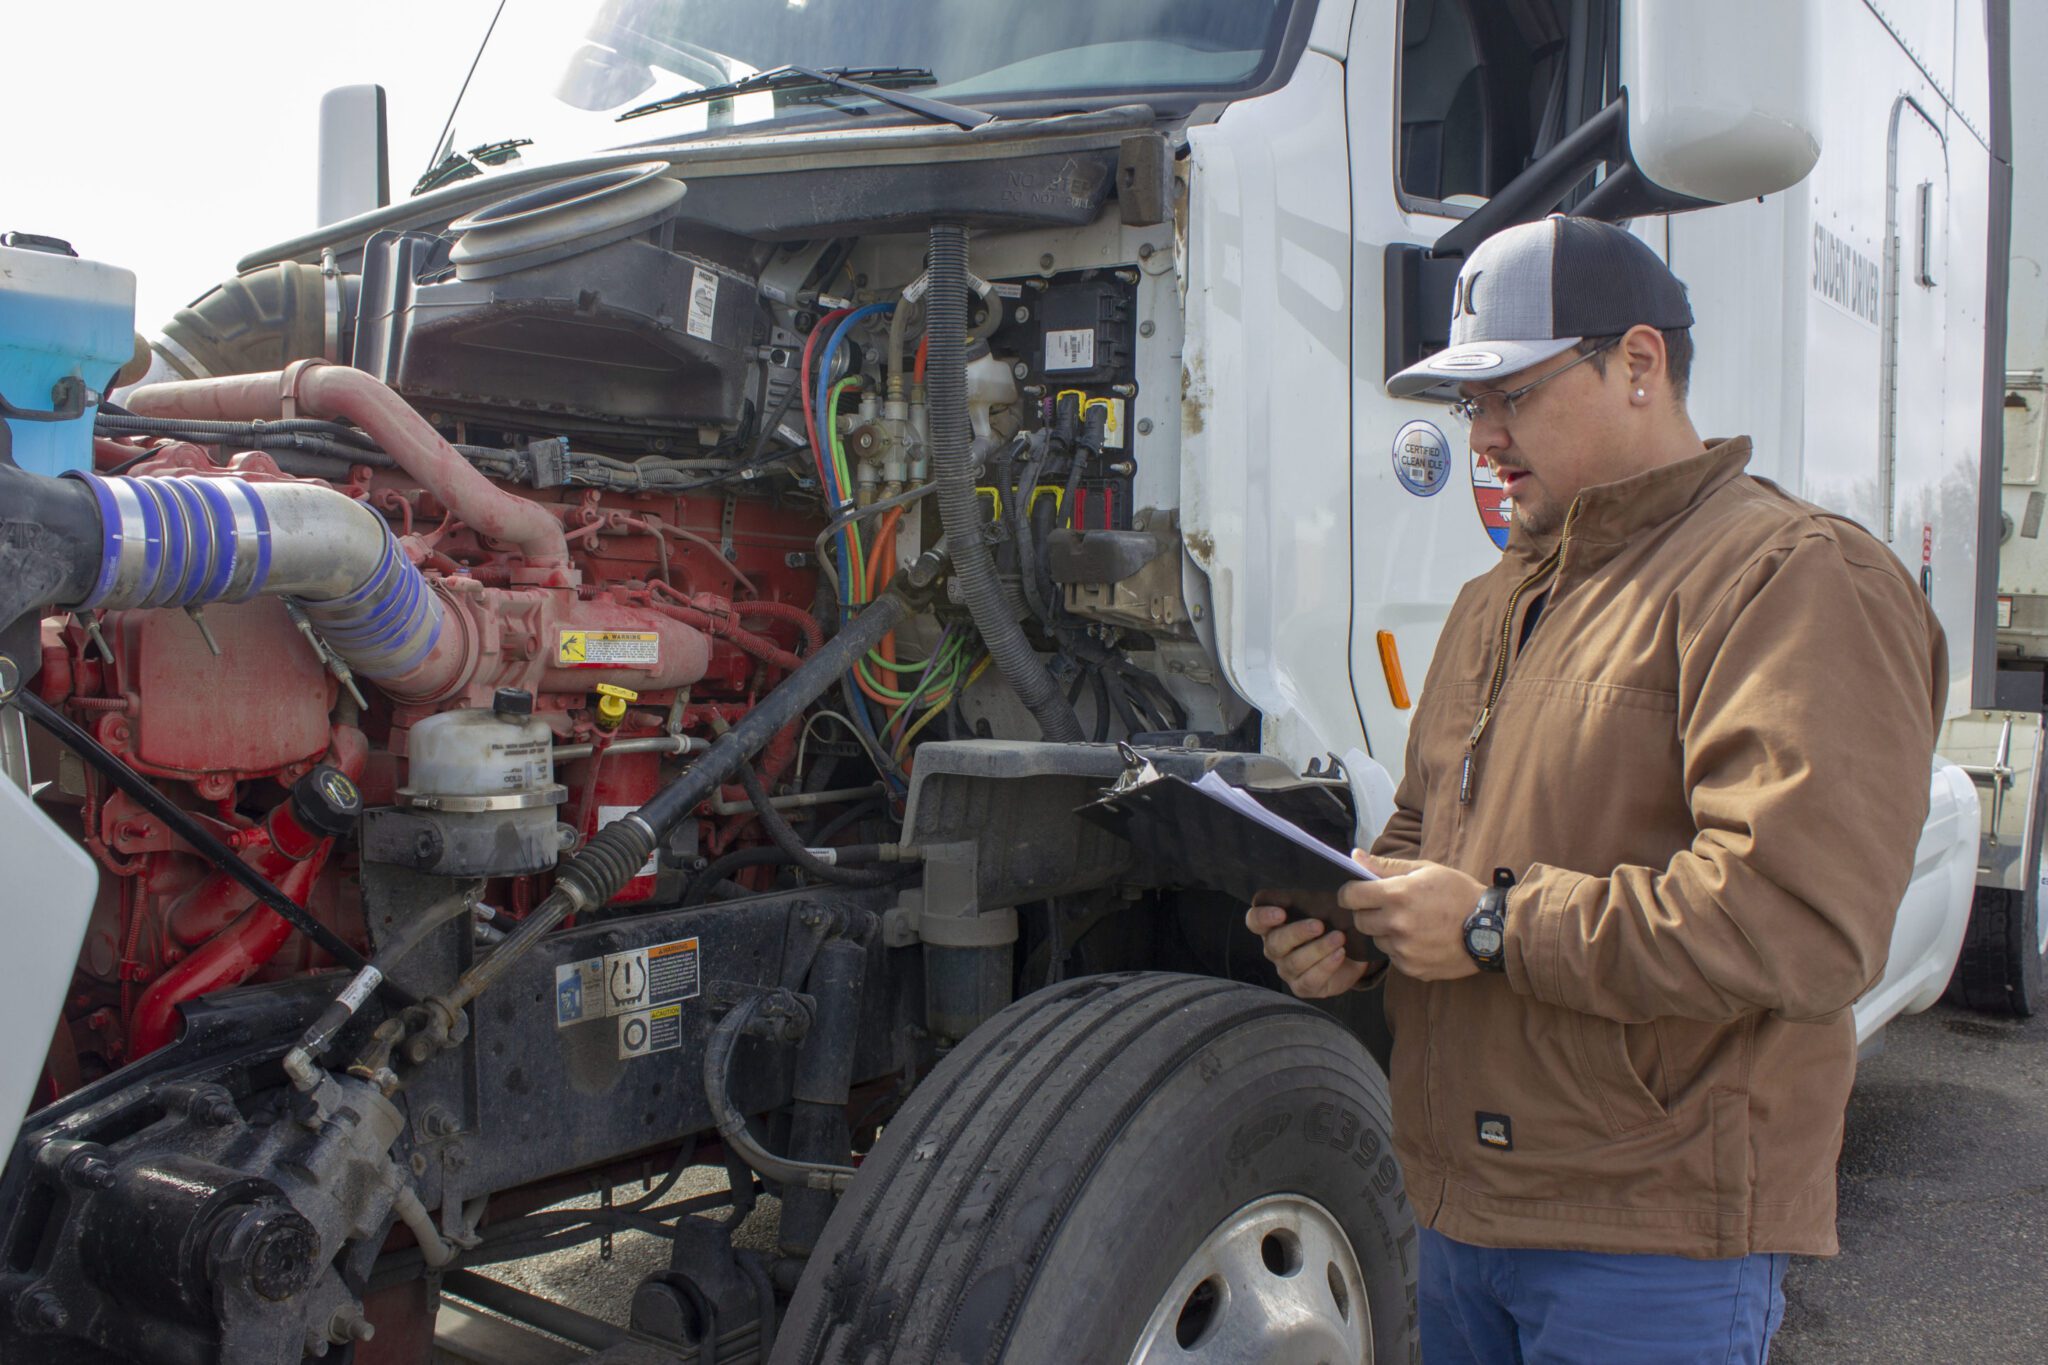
1944 1204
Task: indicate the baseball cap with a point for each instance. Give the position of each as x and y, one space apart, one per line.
1536 290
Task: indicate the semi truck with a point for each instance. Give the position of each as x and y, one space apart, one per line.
595 668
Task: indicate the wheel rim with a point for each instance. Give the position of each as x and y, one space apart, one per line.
1276 1281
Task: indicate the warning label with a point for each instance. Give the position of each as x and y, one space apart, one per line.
634 982
655 1030
608 649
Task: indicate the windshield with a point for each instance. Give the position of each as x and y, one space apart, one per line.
556 74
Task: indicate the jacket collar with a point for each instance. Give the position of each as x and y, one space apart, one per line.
1610 514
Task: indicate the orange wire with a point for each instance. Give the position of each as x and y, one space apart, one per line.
923 346
882 561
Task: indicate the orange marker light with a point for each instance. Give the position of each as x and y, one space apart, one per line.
1390 660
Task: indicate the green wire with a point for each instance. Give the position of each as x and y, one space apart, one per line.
856 556
948 659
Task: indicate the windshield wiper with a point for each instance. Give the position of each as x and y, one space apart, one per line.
874 82
463 165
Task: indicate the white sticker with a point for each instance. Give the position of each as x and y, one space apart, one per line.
1112 421
628 983
648 1031
1070 350
359 989
703 303
607 815
608 649
1010 291
2005 613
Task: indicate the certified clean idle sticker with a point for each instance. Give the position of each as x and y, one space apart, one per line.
1496 508
1422 458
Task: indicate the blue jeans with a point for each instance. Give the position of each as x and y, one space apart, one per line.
1482 1306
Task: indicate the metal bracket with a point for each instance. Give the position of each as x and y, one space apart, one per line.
69 398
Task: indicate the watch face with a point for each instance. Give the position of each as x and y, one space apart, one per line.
1484 940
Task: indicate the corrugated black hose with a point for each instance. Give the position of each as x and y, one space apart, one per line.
952 442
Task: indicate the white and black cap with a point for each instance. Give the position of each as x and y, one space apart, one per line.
1536 290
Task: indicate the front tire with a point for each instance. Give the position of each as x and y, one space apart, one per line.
1136 1167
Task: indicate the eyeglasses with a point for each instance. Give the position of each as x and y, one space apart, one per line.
1498 405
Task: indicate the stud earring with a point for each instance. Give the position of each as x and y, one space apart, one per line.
1639 393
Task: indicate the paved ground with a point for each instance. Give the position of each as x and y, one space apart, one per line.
1944 1206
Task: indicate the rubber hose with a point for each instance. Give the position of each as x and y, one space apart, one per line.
51 530
732 1125
786 838
959 509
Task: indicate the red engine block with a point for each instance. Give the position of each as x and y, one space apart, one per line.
227 710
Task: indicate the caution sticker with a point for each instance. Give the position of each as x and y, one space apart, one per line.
632 982
608 649
655 1030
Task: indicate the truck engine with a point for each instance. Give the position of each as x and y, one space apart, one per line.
577 577
556 485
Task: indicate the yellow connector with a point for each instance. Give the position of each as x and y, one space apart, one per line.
611 704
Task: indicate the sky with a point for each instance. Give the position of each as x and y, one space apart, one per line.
172 137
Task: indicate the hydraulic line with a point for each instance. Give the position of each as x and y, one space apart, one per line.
959 508
732 1125
790 842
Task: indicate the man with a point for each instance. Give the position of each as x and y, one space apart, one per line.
1689 719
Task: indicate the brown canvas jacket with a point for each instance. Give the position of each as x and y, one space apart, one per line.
1708 766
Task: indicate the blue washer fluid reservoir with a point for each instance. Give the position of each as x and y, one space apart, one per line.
60 317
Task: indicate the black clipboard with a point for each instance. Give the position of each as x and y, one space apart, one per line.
1204 841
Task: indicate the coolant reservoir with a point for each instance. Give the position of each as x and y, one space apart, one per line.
60 318
486 782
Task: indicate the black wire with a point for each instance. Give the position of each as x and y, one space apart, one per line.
145 794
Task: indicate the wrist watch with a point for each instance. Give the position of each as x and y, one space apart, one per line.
1486 928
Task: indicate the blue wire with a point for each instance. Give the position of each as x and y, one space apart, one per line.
839 495
841 501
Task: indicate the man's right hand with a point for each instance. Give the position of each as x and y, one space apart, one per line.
1309 955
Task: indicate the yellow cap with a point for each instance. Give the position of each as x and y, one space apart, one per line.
611 704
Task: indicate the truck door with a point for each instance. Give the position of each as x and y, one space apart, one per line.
1447 101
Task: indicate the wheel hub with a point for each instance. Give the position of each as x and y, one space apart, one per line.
1276 1281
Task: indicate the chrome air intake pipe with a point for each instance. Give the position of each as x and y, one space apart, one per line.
187 542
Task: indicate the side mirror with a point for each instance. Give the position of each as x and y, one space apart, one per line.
1716 106
1721 103
355 172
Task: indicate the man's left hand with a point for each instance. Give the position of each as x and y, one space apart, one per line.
1416 912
